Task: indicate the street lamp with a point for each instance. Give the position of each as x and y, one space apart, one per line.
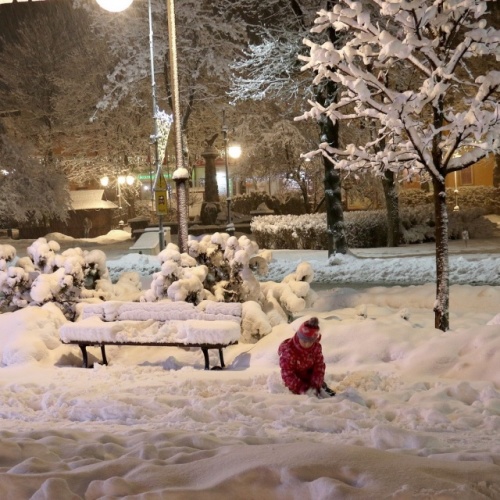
180 175
233 151
456 208
120 181
114 5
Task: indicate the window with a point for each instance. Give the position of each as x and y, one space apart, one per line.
466 176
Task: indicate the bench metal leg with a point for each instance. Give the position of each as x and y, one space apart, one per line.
85 355
207 359
83 348
103 354
221 357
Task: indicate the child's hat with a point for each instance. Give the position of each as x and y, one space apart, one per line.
309 330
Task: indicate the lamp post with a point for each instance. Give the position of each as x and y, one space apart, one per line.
456 208
181 175
234 152
120 181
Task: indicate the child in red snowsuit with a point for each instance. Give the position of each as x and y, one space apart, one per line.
301 361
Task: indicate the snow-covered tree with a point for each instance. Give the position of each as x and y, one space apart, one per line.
29 190
30 62
54 77
209 36
269 70
445 120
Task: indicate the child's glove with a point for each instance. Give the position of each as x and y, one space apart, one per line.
325 392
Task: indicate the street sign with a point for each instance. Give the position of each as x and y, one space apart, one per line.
161 194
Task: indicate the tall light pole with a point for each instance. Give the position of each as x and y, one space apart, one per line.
234 152
181 175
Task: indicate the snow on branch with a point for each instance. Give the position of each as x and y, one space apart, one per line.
408 69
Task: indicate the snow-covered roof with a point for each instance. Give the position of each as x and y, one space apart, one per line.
89 199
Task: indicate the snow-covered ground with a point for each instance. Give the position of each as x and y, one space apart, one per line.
417 411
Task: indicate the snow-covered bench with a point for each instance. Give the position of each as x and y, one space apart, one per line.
210 325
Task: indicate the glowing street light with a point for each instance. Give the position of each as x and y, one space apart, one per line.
120 181
114 5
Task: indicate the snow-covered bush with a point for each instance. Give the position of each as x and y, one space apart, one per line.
61 277
218 267
42 254
283 300
221 268
15 284
14 281
484 197
7 254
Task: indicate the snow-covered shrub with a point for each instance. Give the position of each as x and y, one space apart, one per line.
15 284
7 254
61 279
418 224
484 197
42 254
412 197
59 287
283 300
255 323
217 267
128 287
95 268
366 228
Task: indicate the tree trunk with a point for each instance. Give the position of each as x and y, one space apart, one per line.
442 303
337 241
334 212
305 195
392 206
496 170
182 214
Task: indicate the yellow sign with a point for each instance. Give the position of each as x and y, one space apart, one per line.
161 201
160 183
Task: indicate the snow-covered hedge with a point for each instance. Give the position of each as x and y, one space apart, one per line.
484 197
364 229
290 231
247 202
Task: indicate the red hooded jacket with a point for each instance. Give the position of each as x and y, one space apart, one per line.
301 368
